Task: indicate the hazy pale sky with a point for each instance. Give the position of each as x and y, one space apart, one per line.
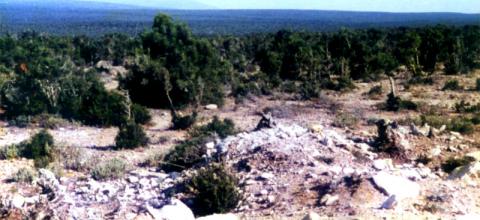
465 6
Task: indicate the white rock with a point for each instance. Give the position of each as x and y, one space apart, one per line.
210 145
329 200
312 216
435 152
133 179
382 164
18 201
390 203
173 210
467 172
211 107
220 217
266 176
395 185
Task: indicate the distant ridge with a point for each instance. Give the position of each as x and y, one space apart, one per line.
96 19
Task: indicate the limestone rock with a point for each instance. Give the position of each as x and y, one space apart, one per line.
468 172
312 216
171 210
395 185
383 164
211 107
474 155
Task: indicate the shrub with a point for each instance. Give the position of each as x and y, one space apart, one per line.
131 136
345 119
393 102
375 91
140 114
408 105
477 84
462 125
465 107
452 85
185 155
452 163
24 175
216 126
111 169
74 158
9 152
215 191
40 148
184 122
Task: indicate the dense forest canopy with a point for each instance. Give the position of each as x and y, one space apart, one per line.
170 67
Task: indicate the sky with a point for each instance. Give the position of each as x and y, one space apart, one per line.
463 6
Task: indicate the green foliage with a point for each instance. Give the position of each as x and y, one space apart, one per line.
24 175
453 85
140 114
477 84
222 128
40 148
462 125
9 152
175 61
214 190
111 169
393 102
130 136
185 155
184 122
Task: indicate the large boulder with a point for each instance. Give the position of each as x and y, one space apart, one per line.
173 209
396 185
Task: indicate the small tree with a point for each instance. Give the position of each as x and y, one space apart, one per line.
130 136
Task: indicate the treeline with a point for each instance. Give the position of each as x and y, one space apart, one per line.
169 67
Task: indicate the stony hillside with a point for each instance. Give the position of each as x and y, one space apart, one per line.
292 159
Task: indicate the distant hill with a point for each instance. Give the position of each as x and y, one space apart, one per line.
94 19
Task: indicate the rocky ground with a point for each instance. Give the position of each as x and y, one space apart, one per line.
298 165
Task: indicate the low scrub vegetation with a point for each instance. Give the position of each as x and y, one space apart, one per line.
190 152
111 169
222 128
24 175
214 190
452 85
130 136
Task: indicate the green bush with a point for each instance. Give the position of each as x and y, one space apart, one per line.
346 119
140 114
185 155
130 136
214 190
216 126
9 152
111 169
393 102
24 175
184 122
462 125
452 85
40 148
